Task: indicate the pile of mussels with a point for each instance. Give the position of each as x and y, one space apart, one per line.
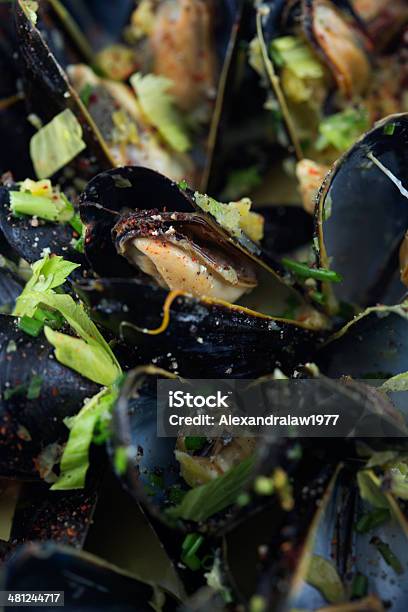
118 271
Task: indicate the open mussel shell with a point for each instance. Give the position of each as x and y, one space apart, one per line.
152 472
29 238
33 429
319 23
88 583
44 79
361 215
112 194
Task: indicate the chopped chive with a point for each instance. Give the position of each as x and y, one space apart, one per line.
389 129
79 245
359 586
302 270
389 557
318 297
183 184
193 443
76 223
373 519
47 317
120 460
30 326
192 542
34 387
85 93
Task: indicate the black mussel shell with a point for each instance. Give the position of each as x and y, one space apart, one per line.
89 583
15 130
44 79
361 216
373 346
111 194
200 338
29 240
286 538
152 472
62 516
32 429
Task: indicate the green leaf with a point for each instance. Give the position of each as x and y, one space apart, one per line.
56 144
324 577
48 273
93 356
342 129
388 555
158 106
30 8
370 491
86 329
396 383
89 360
56 210
202 502
75 459
293 53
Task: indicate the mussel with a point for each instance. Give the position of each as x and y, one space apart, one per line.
329 82
37 394
362 216
183 50
184 249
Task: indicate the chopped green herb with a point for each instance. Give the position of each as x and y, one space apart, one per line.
56 144
323 575
243 499
302 270
370 489
120 460
371 520
76 223
257 603
205 500
30 326
34 387
264 485
85 93
359 586
75 459
389 129
158 106
183 184
193 443
342 129
387 554
191 544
